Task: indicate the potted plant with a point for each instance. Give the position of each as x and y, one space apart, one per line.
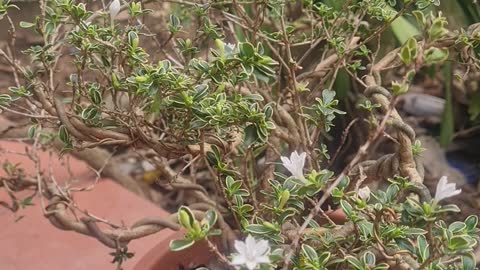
243 110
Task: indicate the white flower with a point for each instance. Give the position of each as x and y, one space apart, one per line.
114 9
230 47
364 193
445 189
251 253
295 164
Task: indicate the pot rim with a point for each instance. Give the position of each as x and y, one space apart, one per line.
160 257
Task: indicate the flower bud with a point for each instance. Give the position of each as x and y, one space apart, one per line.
364 193
196 227
114 9
133 39
284 198
220 45
270 226
184 219
115 82
141 79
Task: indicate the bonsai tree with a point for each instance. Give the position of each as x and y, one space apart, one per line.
254 101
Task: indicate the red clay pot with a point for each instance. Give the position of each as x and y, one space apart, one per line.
337 215
161 258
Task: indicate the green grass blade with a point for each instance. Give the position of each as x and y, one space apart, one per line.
447 128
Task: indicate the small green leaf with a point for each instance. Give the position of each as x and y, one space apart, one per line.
392 192
5 99
457 226
63 135
423 248
381 266
471 222
408 53
258 229
366 229
201 91
310 253
323 258
26 202
354 262
215 232
32 130
448 208
177 245
186 217
347 208
457 242
26 24
414 231
133 39
369 258
246 50
405 244
268 111
344 182
468 262
436 55
95 96
251 135
253 97
174 24
438 28
211 217
399 88
420 17
405 55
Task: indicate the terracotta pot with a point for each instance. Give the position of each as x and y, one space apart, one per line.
161 258
337 215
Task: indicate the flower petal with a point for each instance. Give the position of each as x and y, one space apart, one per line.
287 164
251 265
440 196
261 248
441 184
450 186
364 193
445 190
240 247
250 243
301 160
295 158
239 260
285 160
456 192
114 8
263 259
